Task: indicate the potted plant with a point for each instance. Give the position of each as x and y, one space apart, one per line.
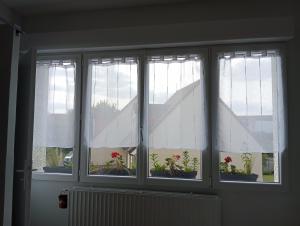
93 168
172 167
190 166
115 166
157 170
132 169
231 173
55 161
175 170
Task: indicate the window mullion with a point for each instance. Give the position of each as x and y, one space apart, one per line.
142 151
78 121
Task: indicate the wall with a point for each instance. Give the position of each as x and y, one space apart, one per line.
192 24
44 204
177 24
8 16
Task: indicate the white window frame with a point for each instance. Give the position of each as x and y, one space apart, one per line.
210 158
205 164
77 93
283 157
84 162
142 179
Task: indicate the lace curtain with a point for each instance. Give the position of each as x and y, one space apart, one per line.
54 104
177 103
250 114
112 103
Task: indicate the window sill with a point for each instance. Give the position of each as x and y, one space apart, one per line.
249 186
53 176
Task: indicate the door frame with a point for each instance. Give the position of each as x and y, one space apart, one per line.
9 81
23 138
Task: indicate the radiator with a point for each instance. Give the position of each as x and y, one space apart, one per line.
102 207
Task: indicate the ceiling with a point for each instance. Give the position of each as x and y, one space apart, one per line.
28 7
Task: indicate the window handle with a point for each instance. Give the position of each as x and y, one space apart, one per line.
22 171
142 136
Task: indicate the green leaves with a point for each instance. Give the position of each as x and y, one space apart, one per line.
195 164
247 159
155 163
172 163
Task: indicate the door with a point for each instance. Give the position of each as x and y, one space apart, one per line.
9 55
23 139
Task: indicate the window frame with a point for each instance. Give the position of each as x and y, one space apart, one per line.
84 162
77 106
210 161
192 184
283 157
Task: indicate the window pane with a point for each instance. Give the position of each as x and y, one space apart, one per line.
112 116
250 117
176 116
53 136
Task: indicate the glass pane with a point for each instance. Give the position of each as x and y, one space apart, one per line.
176 116
53 136
112 116
250 116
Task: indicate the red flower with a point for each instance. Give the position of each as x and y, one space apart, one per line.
177 157
227 159
115 154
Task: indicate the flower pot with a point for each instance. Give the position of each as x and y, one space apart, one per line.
132 172
174 174
239 177
94 172
115 171
165 173
183 174
57 169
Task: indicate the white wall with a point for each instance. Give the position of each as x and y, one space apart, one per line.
249 23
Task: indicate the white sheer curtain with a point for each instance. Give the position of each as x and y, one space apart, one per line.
250 115
112 103
177 103
54 104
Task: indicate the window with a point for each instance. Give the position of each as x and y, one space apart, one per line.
112 116
54 116
176 116
161 118
250 116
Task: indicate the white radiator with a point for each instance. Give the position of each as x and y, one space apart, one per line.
102 207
